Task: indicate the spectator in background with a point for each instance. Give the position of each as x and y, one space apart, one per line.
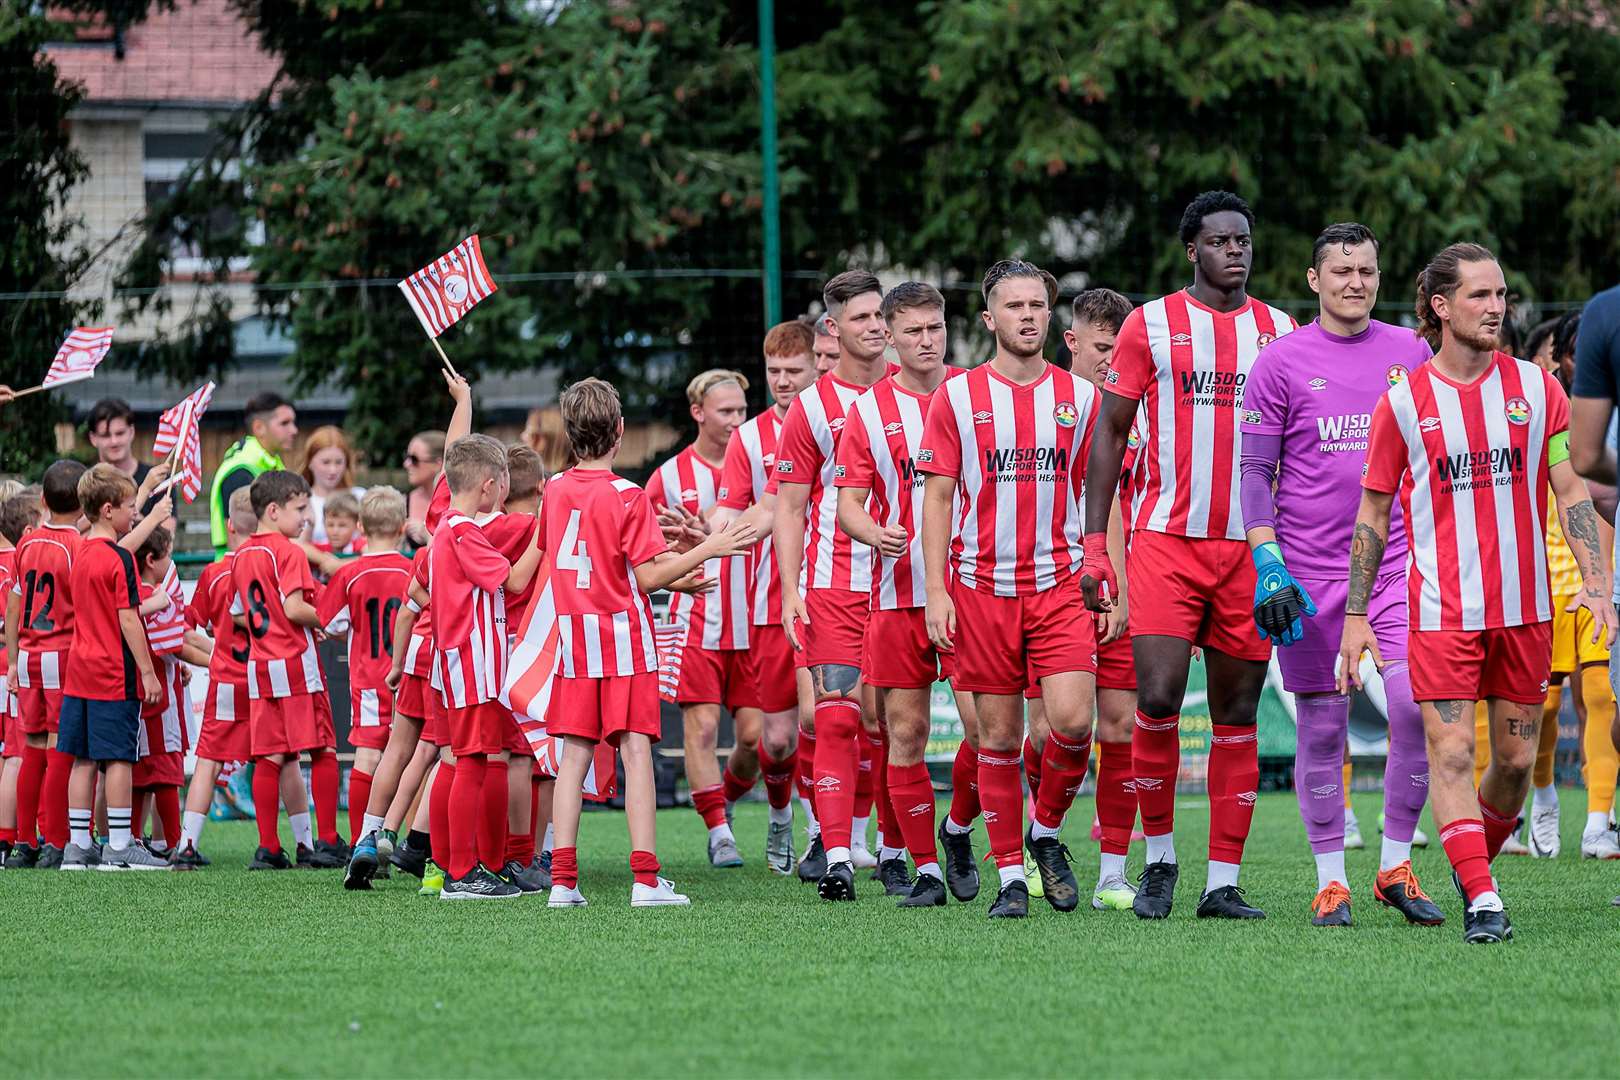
328 469
543 433
111 426
272 428
424 457
826 348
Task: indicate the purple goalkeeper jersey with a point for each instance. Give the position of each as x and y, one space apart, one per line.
1316 391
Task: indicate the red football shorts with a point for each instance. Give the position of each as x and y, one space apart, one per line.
837 627
226 734
605 709
771 667
41 709
288 725
1116 665
716 677
1511 662
512 740
898 653
370 714
1201 591
164 769
1005 643
11 732
479 729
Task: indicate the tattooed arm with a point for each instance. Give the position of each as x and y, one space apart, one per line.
1366 556
1583 529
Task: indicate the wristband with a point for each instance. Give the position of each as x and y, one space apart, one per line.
1095 547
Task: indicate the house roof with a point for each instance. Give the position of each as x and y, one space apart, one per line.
199 53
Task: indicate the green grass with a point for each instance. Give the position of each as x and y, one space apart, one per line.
226 973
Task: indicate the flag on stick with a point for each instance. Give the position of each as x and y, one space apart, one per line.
178 435
76 360
530 676
447 288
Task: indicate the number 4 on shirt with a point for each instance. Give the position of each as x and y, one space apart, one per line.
573 555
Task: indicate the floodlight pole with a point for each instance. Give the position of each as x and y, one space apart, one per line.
767 139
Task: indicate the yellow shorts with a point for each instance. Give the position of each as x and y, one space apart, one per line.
1572 639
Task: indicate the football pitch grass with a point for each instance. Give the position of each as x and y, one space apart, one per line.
227 973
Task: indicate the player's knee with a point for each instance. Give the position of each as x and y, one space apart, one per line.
1452 759
1158 700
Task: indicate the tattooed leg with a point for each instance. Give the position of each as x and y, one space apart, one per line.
1515 731
1448 729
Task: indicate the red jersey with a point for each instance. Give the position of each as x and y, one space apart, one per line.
879 452
41 575
467 578
210 607
597 528
419 650
1471 465
1187 363
511 534
720 619
807 453
8 560
164 722
103 583
750 463
362 600
1018 455
281 656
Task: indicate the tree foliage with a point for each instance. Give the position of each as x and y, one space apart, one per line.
932 135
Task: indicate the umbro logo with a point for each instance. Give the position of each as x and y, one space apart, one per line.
893 428
828 783
989 816
1148 783
1325 791
689 495
1247 798
836 424
1419 778
1429 423
1181 339
920 809
983 417
767 460
1129 785
1317 384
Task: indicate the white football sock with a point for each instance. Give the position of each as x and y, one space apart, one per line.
301 829
782 815
1393 852
1161 849
551 838
954 829
1041 832
1486 901
930 869
1544 798
118 827
1221 874
371 823
1012 873
857 831
1329 868
1597 821
721 831
1350 817
1112 866
191 827
812 827
79 828
885 853
837 855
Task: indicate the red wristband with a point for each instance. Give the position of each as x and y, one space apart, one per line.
1096 548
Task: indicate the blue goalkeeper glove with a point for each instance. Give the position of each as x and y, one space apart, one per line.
1280 602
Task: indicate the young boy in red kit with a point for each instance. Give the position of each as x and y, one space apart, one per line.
362 601
110 676
19 514
469 579
226 734
606 556
275 595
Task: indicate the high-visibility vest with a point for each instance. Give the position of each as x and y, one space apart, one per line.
245 453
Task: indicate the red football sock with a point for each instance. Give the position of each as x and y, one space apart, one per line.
565 867
466 815
1032 768
643 864
864 787
778 777
1156 758
710 803
520 845
1003 799
1063 767
965 784
1234 780
359 795
30 779
492 825
1464 841
838 765
323 784
913 796
267 802
804 771
1498 827
166 803
439 813
1116 796
888 822
734 786
53 796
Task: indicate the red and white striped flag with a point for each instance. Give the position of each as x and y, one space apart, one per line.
669 639
447 288
179 426
76 360
530 675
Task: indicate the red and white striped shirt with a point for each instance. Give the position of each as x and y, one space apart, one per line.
164 722
750 463
467 580
879 452
281 654
41 574
807 453
1187 364
1018 454
716 620
597 528
419 649
1471 466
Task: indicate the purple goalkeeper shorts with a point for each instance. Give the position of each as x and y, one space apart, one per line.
1309 664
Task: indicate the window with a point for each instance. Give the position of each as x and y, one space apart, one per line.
168 152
